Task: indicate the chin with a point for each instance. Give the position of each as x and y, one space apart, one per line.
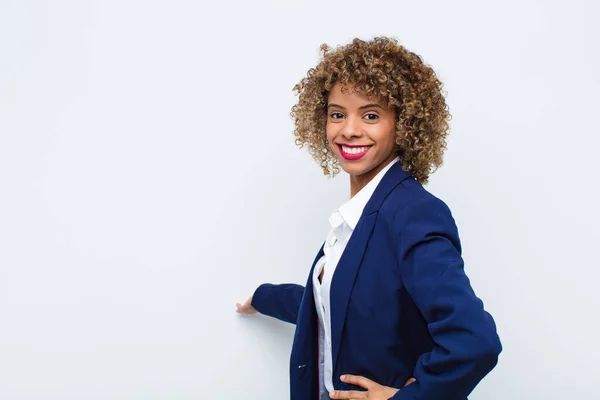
353 169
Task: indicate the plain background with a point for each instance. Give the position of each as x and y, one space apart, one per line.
150 180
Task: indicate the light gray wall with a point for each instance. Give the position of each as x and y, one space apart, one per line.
149 181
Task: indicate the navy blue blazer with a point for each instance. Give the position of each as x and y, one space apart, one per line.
401 303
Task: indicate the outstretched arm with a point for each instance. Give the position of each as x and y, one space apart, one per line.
280 301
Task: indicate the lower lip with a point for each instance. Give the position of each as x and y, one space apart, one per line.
352 156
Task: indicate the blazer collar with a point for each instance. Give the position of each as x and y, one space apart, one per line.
390 180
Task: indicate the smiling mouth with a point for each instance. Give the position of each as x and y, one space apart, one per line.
353 152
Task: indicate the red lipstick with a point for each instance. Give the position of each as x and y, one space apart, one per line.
353 156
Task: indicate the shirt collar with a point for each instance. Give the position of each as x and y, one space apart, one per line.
352 209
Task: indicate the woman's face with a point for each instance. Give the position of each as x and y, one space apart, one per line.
361 132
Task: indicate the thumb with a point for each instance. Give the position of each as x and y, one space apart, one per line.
409 381
246 308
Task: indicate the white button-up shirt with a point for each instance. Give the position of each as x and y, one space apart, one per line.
342 221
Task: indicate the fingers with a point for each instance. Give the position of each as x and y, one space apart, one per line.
246 308
353 394
375 389
409 381
359 381
348 394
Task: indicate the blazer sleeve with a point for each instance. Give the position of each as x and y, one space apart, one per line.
466 344
280 301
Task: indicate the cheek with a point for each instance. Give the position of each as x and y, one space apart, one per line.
386 138
391 136
393 139
328 136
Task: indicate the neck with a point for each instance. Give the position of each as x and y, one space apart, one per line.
357 182
355 185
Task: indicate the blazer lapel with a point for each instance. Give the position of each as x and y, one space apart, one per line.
350 261
344 276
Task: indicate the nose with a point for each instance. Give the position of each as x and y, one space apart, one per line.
351 128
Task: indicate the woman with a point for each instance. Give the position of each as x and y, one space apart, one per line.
387 311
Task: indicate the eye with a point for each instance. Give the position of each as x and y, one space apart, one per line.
373 119
335 113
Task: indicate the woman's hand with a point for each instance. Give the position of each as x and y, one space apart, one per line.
246 308
375 391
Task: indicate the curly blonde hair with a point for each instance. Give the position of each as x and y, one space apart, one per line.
384 70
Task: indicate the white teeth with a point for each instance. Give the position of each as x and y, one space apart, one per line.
354 150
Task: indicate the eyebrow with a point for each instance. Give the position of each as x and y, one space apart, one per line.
360 108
